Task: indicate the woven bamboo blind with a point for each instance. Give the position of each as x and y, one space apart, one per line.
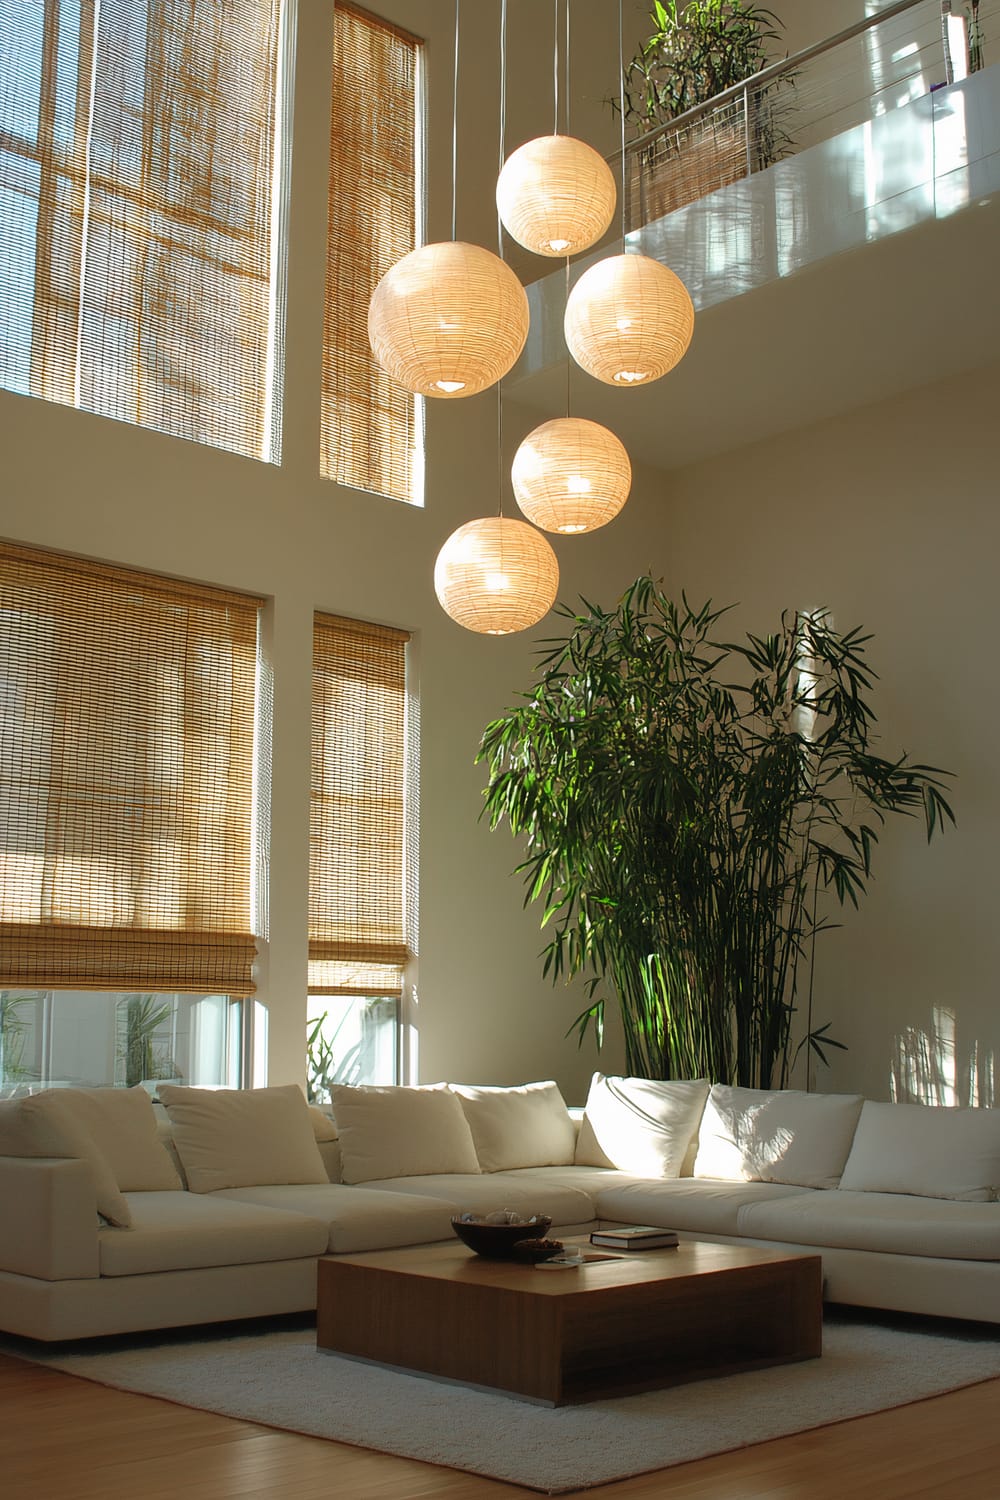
371 427
126 776
136 147
357 927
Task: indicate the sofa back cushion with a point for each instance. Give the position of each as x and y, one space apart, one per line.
123 1124
754 1135
524 1126
931 1151
229 1138
45 1124
401 1132
641 1125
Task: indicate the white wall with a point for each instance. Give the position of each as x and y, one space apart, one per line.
96 487
888 517
775 525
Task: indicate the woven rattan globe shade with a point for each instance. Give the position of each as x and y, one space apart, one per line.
571 475
496 576
448 319
555 195
629 320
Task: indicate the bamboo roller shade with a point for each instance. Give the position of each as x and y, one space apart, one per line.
357 929
136 146
126 779
370 425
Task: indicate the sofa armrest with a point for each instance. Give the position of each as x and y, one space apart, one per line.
48 1227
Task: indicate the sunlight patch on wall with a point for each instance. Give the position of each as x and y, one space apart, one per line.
934 1067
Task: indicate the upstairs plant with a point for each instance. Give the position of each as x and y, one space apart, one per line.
686 804
695 52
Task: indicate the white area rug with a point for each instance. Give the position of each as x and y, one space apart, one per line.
281 1380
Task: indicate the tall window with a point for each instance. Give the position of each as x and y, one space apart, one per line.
136 166
126 780
372 430
360 930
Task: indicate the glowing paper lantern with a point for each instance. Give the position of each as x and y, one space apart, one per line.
571 475
448 319
556 195
496 576
628 320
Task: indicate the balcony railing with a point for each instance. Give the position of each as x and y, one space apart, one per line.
905 51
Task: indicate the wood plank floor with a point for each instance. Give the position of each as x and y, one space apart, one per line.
64 1437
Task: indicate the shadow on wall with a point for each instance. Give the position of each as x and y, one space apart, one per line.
929 1066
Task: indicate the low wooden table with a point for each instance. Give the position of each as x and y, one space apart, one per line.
610 1327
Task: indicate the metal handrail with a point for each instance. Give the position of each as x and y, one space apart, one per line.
764 75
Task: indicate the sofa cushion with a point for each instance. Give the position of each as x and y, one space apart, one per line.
695 1205
893 1223
184 1231
525 1126
243 1137
401 1132
753 1135
45 1125
123 1124
359 1218
641 1125
930 1151
482 1193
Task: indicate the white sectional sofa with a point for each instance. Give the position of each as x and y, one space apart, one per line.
118 1215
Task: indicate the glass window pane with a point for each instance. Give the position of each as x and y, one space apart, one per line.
102 1039
350 1039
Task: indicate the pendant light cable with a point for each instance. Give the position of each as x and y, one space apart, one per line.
621 79
503 143
454 134
555 67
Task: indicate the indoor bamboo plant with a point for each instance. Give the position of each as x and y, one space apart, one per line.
696 51
686 805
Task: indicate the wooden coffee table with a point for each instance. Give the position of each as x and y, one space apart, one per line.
609 1327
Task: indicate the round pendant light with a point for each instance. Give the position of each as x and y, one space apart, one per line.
448 320
629 320
496 576
556 195
571 475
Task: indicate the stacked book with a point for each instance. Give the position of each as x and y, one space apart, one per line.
634 1237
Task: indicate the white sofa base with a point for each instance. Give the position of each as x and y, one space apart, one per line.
895 1283
56 1310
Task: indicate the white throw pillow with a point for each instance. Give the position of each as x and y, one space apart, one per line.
43 1125
641 1125
401 1132
931 1151
229 1138
755 1135
525 1126
123 1125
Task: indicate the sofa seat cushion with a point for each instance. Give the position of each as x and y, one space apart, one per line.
692 1204
481 1194
589 1180
358 1218
185 1231
889 1222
